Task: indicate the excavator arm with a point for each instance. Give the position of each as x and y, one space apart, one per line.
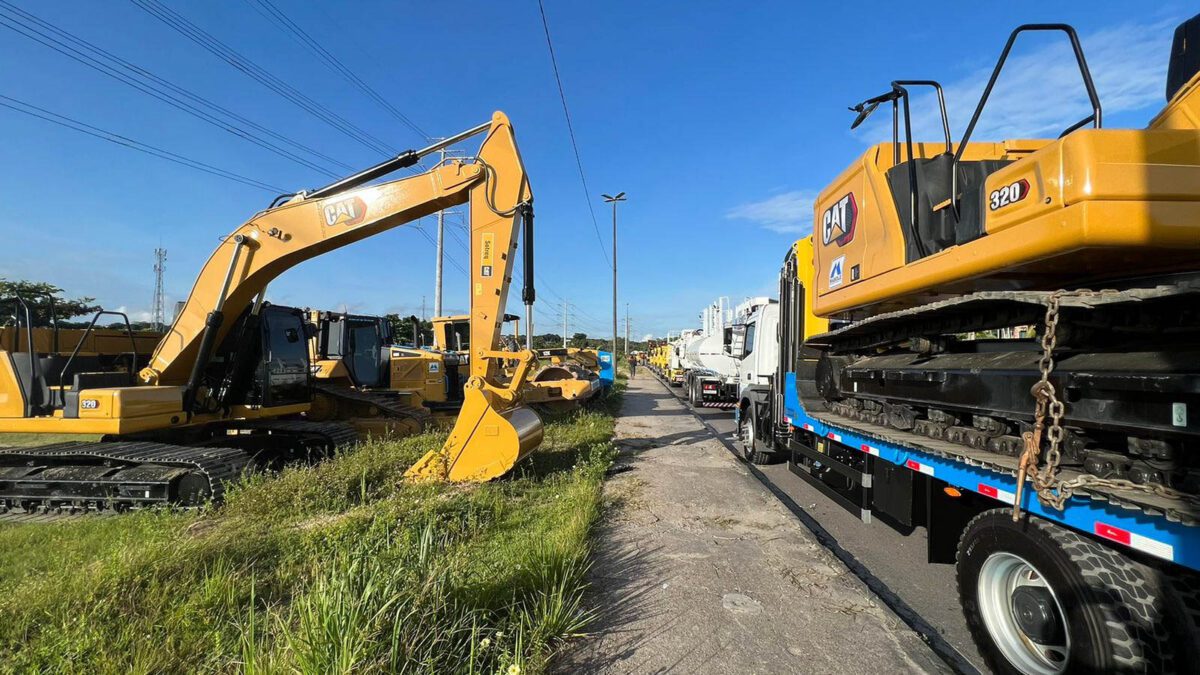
493 430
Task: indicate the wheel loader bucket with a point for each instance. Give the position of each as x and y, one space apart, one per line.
488 439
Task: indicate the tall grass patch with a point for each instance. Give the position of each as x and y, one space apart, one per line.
338 568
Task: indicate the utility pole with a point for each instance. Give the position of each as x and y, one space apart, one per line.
620 197
564 323
422 308
441 251
157 309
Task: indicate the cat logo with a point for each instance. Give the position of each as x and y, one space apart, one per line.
346 212
837 225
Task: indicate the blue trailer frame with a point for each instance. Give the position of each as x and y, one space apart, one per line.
1149 534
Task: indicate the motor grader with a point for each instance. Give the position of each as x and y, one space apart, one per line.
229 385
363 376
565 379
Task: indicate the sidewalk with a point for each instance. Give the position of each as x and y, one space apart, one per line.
698 569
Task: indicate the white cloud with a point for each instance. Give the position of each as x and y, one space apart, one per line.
135 315
1040 91
785 213
647 336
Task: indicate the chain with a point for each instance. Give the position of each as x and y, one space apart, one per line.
1046 403
1050 490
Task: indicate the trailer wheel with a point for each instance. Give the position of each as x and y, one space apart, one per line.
1039 598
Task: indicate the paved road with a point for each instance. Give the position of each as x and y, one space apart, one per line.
897 561
698 569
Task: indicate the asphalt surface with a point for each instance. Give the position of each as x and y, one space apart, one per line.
925 593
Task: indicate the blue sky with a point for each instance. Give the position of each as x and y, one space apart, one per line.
720 120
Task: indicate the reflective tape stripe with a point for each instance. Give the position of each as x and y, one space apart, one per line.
1135 540
996 493
833 436
870 451
917 466
809 427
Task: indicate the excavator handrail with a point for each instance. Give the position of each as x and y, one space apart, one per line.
62 374
35 365
1093 97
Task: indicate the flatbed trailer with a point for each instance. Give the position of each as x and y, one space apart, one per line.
873 463
1122 558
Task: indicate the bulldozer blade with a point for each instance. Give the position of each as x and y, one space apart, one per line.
485 443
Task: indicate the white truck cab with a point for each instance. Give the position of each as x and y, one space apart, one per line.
754 342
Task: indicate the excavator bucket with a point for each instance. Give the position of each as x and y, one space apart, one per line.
487 441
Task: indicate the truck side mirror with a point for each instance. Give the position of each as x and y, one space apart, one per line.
737 342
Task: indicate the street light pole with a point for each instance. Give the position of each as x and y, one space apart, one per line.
620 197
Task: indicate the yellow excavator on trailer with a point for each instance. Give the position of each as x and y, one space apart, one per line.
229 384
930 258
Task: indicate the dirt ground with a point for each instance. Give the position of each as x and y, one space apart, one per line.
698 569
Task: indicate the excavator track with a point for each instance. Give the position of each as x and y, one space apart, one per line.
107 477
73 478
388 404
1126 364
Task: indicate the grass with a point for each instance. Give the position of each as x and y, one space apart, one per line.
339 568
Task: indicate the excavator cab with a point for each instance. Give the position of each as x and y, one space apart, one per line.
359 345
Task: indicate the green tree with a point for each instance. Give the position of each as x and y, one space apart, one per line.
402 329
40 295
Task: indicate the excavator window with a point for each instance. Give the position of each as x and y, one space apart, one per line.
284 372
458 336
366 351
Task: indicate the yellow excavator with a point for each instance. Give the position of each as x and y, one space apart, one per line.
931 258
230 383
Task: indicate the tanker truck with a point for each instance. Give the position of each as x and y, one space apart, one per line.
710 372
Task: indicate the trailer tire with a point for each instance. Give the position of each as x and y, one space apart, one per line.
1124 616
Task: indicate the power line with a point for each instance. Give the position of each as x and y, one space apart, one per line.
222 51
449 258
587 193
111 137
280 18
106 63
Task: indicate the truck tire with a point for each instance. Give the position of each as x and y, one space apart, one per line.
752 447
1015 579
693 396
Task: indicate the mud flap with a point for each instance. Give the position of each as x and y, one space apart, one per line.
485 443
